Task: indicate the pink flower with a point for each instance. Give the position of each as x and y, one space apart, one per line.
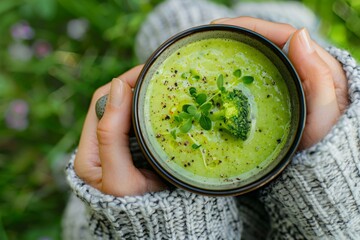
16 115
42 48
22 31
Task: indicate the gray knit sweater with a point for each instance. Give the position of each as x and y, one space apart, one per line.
316 197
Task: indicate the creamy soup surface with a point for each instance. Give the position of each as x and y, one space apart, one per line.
187 116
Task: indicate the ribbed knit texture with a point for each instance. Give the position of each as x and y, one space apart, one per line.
174 214
172 17
316 197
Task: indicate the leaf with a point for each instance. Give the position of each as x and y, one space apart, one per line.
184 115
195 146
192 110
173 133
192 91
195 77
197 116
205 122
178 119
185 107
186 127
247 79
194 74
205 108
201 98
220 82
237 73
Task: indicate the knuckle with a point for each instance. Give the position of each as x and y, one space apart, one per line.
105 135
289 26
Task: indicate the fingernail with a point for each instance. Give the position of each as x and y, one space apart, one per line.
285 48
306 41
220 20
100 106
116 92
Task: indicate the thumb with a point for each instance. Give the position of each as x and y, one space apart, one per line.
318 85
115 124
119 175
112 132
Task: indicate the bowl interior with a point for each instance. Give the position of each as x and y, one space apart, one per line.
189 181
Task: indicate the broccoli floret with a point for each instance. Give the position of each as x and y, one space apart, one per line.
236 111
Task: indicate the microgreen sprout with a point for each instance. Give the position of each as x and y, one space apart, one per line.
247 79
233 109
237 73
220 83
195 146
192 113
173 133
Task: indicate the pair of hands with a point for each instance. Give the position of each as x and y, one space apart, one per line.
104 160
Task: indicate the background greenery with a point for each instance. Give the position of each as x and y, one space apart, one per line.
53 55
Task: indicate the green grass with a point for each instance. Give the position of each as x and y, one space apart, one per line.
45 97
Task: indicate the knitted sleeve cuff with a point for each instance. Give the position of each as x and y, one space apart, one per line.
318 194
174 214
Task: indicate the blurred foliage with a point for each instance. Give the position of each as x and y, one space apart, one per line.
340 22
53 55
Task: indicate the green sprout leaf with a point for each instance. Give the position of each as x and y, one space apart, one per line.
186 126
195 146
247 79
192 110
178 119
201 98
237 73
205 108
197 116
220 82
205 122
185 107
184 115
195 77
173 133
192 91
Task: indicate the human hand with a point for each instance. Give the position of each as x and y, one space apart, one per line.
323 79
103 159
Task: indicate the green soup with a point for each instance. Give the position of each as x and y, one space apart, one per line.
187 117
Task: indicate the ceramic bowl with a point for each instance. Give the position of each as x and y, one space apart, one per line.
146 137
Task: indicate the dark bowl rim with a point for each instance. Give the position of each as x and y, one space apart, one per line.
273 173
